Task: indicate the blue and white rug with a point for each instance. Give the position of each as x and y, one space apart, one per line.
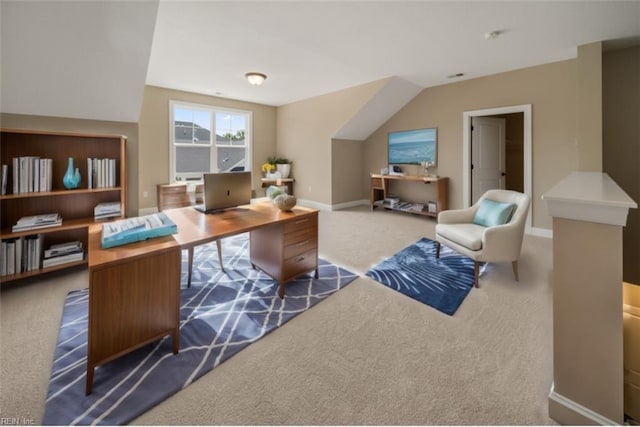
441 283
220 315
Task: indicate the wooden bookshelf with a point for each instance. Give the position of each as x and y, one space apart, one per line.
75 206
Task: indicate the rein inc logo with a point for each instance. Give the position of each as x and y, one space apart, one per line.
16 421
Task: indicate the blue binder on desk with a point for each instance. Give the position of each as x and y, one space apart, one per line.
136 229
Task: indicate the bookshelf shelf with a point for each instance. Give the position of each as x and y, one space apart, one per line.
76 207
58 193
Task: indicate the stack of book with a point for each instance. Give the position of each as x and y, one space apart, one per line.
37 221
107 210
63 253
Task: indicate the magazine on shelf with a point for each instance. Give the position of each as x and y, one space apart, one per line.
37 221
63 259
137 229
63 249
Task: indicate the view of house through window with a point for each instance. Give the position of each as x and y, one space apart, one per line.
208 139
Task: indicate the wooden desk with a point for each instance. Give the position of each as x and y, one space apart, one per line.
288 182
134 297
380 190
134 289
283 244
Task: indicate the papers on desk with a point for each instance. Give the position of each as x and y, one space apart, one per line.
136 229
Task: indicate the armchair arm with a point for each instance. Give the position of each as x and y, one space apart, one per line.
456 216
502 242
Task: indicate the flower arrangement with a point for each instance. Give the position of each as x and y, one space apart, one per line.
268 167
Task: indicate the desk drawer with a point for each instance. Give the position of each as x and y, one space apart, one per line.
299 264
309 221
376 183
300 247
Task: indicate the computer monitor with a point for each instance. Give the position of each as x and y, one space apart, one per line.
225 190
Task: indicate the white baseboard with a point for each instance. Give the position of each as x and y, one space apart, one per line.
576 411
541 232
348 205
314 205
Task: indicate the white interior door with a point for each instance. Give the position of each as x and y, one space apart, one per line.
487 155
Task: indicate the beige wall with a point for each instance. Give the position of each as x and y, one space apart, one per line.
154 136
347 167
621 149
589 80
305 131
130 130
550 88
587 319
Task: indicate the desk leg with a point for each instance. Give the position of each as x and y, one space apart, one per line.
281 291
89 385
175 336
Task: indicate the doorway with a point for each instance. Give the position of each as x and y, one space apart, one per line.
517 174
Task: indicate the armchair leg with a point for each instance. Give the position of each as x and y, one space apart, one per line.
514 265
437 249
219 246
476 272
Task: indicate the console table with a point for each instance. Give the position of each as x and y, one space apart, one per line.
380 189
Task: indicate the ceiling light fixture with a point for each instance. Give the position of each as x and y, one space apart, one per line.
455 76
255 79
492 34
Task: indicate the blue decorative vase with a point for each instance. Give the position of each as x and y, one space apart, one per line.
71 178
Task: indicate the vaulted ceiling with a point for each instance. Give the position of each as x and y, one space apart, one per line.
91 59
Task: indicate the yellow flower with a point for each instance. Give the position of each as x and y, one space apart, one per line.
268 167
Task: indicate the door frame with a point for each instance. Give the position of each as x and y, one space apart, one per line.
466 151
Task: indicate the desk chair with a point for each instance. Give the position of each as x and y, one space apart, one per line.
176 196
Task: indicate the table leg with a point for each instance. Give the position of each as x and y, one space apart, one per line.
89 384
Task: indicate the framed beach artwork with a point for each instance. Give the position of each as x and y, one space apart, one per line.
413 147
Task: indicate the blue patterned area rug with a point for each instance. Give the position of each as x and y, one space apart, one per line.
441 283
220 315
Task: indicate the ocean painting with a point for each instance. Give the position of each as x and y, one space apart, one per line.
412 146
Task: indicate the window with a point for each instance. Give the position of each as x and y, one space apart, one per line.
208 139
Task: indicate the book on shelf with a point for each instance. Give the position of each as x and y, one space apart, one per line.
101 173
31 174
5 177
20 254
35 222
137 229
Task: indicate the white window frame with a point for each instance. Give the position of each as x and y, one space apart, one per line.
212 109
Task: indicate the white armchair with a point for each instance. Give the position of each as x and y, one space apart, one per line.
481 240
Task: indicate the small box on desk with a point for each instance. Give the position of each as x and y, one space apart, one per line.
136 229
432 207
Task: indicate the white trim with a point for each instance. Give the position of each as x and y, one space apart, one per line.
541 232
314 205
578 409
466 151
589 196
352 204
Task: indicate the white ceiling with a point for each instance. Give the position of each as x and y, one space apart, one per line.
90 59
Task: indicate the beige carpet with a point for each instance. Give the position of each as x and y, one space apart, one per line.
366 355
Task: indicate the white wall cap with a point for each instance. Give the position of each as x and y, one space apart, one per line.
589 196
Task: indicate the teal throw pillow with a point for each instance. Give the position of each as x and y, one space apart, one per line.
491 213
